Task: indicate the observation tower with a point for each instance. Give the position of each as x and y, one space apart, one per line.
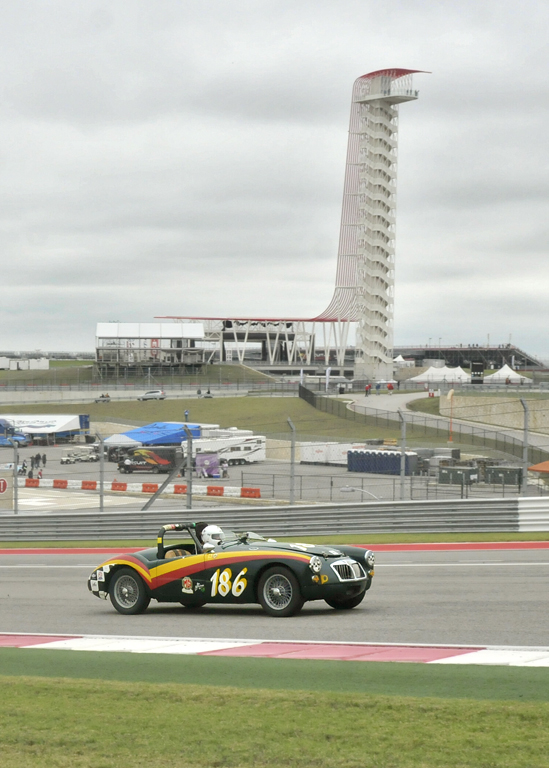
365 272
365 276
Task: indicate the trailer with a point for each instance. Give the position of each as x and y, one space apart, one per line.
236 449
153 459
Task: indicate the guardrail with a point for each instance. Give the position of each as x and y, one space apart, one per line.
388 517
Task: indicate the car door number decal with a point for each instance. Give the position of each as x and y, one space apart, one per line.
222 584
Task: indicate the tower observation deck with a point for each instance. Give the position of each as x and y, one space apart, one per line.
365 275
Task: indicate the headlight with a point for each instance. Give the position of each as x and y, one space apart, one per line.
315 564
370 558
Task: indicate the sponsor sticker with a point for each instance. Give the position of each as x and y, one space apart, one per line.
187 585
100 576
94 585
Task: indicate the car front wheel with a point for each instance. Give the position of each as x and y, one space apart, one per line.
127 592
348 603
278 592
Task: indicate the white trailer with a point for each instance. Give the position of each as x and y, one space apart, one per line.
235 450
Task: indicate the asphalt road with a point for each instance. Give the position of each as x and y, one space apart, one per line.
484 598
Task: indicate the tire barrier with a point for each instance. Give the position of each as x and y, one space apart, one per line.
149 488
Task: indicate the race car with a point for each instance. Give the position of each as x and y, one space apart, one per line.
210 565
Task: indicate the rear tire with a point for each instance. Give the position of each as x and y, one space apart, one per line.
278 592
346 605
127 592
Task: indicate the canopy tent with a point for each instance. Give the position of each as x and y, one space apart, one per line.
400 361
542 468
121 440
504 374
158 433
441 375
64 425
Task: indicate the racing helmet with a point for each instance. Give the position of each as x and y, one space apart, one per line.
212 534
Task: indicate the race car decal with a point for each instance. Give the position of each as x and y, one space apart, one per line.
181 568
222 584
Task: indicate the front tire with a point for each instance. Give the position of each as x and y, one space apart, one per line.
127 592
278 592
348 603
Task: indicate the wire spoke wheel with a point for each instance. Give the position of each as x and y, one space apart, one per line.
279 592
127 592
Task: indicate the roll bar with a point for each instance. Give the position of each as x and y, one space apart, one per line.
189 527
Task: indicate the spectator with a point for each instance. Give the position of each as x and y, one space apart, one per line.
31 474
186 415
378 387
44 460
224 468
390 388
37 460
39 475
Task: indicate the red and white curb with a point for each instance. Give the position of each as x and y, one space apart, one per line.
118 486
332 651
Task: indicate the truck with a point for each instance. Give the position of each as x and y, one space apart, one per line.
236 449
155 459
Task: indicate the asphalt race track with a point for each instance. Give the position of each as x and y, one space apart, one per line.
458 597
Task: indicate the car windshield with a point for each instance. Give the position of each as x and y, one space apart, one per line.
235 536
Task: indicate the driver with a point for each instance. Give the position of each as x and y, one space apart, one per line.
212 534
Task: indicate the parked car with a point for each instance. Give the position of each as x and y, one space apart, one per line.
153 394
209 565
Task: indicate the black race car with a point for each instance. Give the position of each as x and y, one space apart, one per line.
209 565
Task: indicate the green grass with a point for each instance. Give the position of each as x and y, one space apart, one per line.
59 723
362 538
428 405
262 415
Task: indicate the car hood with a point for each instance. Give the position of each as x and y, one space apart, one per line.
322 550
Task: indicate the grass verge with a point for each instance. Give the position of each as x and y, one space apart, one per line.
83 723
448 681
358 538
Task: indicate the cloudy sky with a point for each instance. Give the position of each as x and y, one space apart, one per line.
186 157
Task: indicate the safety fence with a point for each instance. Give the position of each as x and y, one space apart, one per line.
418 426
326 487
509 515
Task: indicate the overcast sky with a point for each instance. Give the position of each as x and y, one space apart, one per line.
186 157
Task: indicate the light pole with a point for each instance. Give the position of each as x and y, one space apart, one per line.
189 479
450 397
525 449
292 463
402 454
15 475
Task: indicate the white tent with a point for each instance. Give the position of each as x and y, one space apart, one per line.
402 363
122 440
441 375
501 376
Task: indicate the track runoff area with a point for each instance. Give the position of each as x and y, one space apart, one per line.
406 705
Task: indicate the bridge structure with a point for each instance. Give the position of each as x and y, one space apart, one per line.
364 285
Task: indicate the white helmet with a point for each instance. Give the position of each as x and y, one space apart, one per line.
212 534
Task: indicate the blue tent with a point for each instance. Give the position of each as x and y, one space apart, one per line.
163 433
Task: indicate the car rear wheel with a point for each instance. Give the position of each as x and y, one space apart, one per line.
278 592
346 604
127 592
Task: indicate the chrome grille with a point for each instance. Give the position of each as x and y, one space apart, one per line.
348 570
